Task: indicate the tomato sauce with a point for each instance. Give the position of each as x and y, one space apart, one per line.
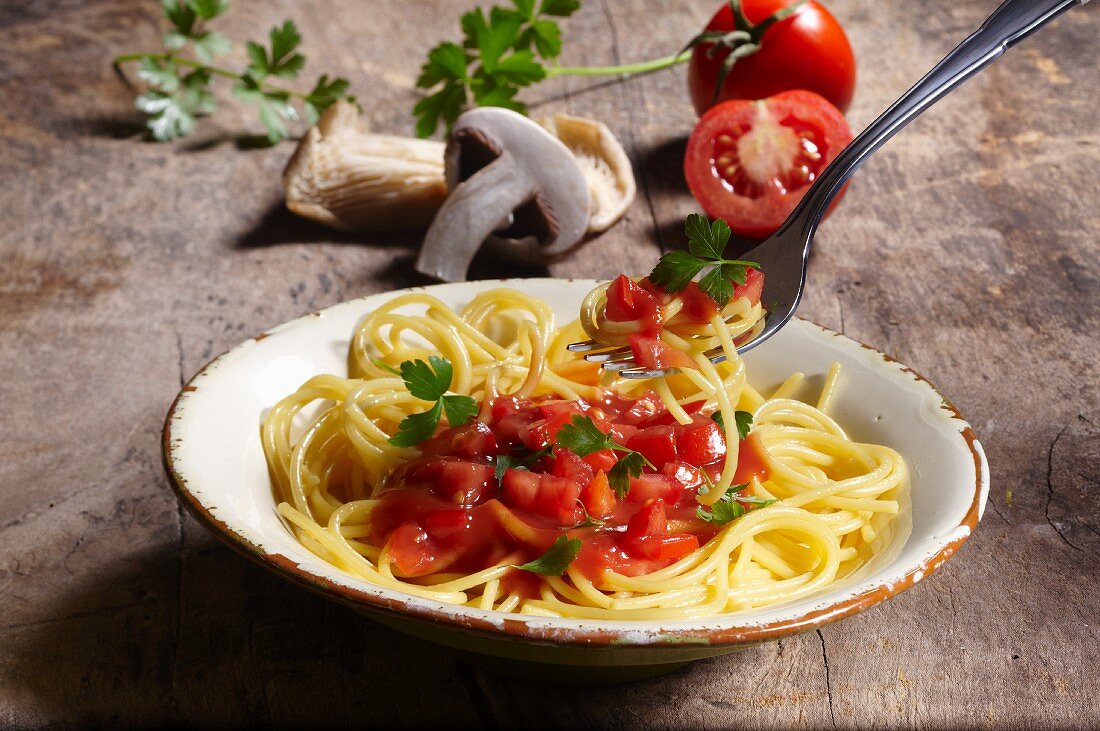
447 510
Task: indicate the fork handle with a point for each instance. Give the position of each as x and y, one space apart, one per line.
1009 24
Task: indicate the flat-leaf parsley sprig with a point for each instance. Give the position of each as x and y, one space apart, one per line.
556 559
731 506
743 420
430 382
582 437
180 88
706 246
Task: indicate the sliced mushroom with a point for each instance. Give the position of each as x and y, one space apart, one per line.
511 182
604 163
352 180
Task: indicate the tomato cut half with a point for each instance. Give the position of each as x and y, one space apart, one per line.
655 353
750 162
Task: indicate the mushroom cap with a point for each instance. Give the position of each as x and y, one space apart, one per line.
512 184
604 162
350 179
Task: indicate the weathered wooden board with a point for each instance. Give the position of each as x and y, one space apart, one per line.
969 248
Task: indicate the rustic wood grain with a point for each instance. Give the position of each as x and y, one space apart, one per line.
969 248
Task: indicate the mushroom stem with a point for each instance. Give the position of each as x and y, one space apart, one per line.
481 205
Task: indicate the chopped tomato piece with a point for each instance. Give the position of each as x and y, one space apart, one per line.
598 497
647 535
447 525
633 412
649 486
698 305
508 429
622 433
555 408
465 483
411 550
701 442
543 432
683 473
507 405
470 441
656 443
752 460
753 287
603 459
626 301
653 353
568 465
546 495
650 520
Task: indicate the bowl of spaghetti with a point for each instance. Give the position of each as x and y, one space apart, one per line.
436 459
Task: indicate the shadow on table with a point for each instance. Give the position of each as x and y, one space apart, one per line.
223 642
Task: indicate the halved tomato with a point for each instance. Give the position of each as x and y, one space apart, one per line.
750 162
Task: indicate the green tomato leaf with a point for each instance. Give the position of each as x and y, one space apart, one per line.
557 559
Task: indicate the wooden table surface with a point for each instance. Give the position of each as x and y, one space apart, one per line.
968 248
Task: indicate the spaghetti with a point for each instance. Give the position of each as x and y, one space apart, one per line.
808 515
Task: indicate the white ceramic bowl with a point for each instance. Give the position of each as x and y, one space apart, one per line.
213 456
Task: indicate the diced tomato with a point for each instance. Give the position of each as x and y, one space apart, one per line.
698 305
662 296
598 497
683 473
507 405
651 352
753 287
633 412
411 550
650 486
650 520
546 495
470 441
555 408
701 442
656 443
465 483
508 429
752 460
568 465
447 525
622 433
603 459
666 417
626 301
539 434
647 535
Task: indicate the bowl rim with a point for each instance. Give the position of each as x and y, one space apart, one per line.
508 626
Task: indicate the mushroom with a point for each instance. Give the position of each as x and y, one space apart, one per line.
352 180
512 183
604 163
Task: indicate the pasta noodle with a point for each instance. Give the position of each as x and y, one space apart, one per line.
329 454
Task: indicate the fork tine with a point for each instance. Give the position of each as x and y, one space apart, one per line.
584 346
609 356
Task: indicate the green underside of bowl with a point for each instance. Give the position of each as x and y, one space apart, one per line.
545 662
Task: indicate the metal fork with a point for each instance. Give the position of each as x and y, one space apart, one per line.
784 255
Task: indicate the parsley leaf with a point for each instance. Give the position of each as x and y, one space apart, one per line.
417 428
743 419
582 437
730 506
172 113
500 53
630 465
556 559
429 382
507 462
706 247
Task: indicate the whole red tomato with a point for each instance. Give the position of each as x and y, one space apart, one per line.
807 50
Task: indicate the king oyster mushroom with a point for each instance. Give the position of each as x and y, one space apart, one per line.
604 163
513 184
352 180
